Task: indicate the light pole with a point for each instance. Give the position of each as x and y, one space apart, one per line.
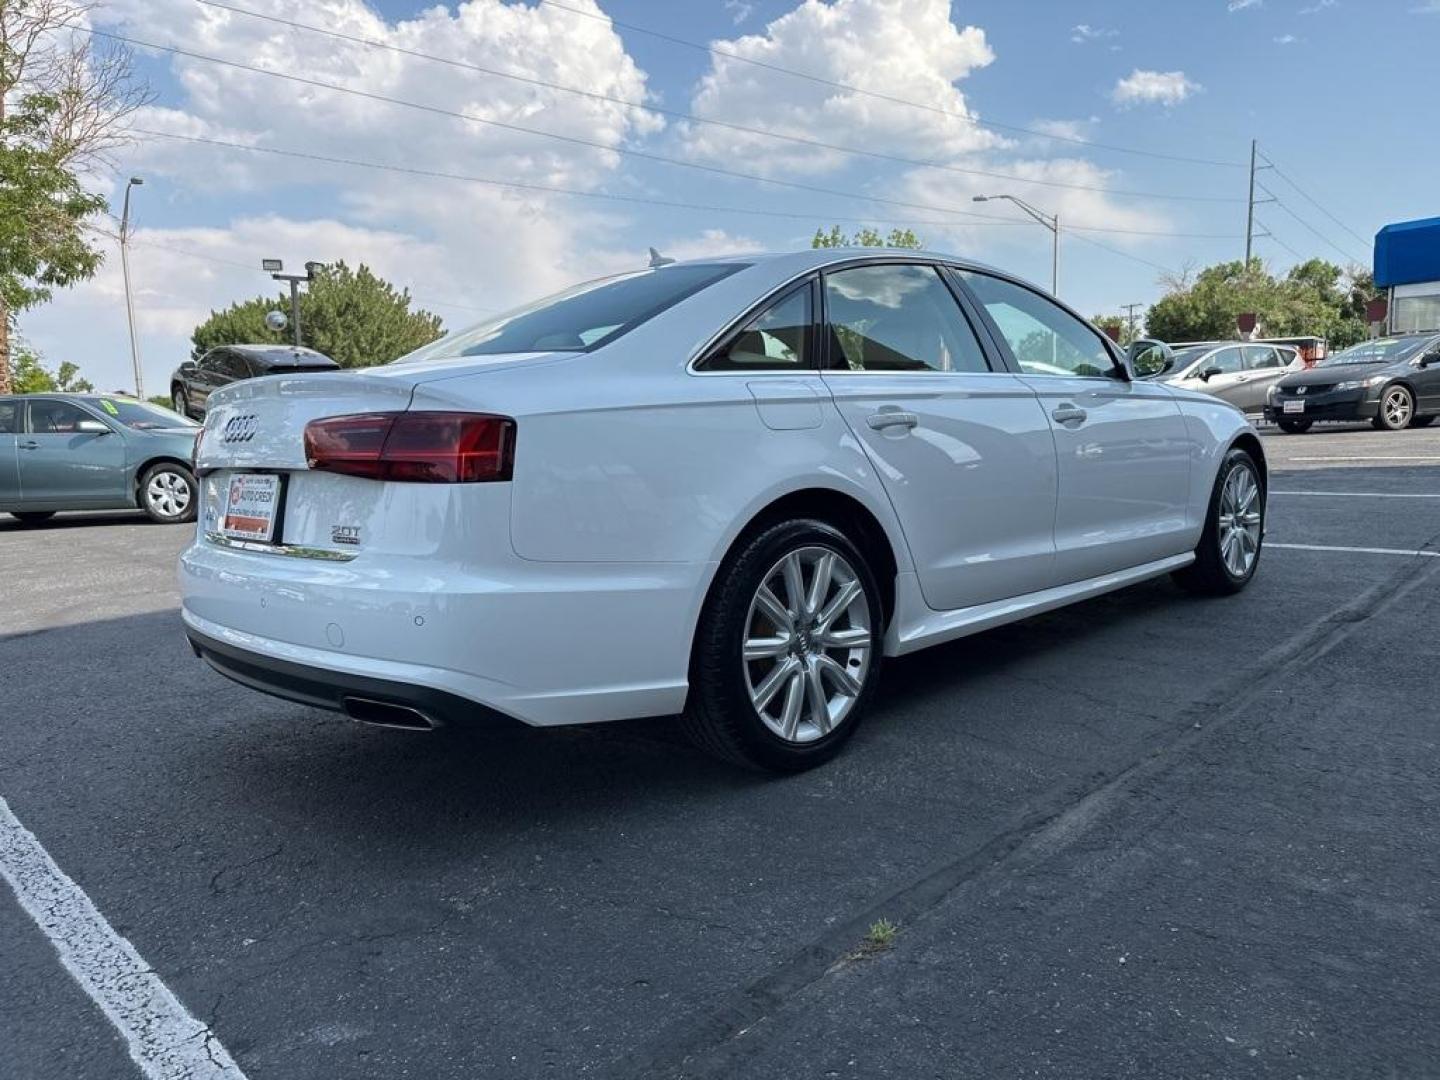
134 181
274 266
1050 221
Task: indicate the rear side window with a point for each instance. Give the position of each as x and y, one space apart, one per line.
897 318
583 318
778 339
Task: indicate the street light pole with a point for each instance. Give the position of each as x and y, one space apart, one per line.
1050 221
134 181
274 266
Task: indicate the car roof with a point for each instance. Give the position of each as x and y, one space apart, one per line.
280 355
804 259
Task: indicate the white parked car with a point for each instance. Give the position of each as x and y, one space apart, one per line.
724 488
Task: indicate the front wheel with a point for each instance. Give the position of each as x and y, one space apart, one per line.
1397 407
1229 548
167 493
1295 427
787 650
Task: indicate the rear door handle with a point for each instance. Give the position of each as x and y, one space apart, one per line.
888 418
1069 414
30 445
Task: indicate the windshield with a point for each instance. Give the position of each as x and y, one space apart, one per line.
581 318
1379 351
143 416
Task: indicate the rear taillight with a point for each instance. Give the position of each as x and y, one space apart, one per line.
419 447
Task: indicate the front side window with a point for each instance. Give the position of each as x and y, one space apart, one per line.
1224 362
1045 338
775 340
580 319
9 417
898 318
56 418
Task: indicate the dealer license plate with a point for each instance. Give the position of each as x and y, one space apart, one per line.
1294 406
252 505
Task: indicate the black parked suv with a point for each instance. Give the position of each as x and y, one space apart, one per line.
193 382
1394 382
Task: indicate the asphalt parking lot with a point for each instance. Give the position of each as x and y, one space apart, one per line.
1148 836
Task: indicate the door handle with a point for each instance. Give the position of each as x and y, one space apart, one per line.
888 418
30 445
1069 414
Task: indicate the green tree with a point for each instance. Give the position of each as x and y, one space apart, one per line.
30 376
866 237
63 106
1115 326
352 316
1314 297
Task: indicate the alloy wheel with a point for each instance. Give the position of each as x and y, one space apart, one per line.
168 494
807 644
1397 408
1240 520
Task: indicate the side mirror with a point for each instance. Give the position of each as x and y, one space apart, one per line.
1149 358
1208 373
92 427
1430 358
187 365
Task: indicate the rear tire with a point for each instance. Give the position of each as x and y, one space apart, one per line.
169 494
1229 548
780 682
1422 421
177 401
32 517
1397 409
1295 427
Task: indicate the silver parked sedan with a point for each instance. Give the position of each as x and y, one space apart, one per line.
1237 372
94 452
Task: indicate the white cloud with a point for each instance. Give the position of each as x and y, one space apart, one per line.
1286 39
907 49
1241 5
1153 88
739 10
1084 32
1319 6
1430 7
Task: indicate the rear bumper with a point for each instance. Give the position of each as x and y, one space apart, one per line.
324 688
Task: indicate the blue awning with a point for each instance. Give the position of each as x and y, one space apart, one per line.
1408 252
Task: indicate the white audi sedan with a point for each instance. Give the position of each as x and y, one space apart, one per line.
723 488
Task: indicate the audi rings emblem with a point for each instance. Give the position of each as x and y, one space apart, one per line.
240 428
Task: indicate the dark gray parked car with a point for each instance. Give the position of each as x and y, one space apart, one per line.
1394 382
94 452
194 381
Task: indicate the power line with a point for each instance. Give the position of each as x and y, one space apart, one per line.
799 140
1303 194
410 170
1311 228
848 88
1269 234
1122 254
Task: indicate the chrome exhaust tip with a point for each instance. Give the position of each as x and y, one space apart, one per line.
387 714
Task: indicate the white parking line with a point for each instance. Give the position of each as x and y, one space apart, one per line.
1364 494
1357 550
1372 457
164 1040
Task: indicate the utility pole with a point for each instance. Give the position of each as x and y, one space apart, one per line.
1250 232
1130 320
134 181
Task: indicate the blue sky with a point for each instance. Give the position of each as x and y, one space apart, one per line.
1335 90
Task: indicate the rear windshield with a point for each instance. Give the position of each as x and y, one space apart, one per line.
142 415
581 318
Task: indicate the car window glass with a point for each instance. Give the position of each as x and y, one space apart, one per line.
1045 338
9 417
898 318
775 340
233 365
56 418
1262 356
1224 362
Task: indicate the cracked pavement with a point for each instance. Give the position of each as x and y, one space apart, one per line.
1147 836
